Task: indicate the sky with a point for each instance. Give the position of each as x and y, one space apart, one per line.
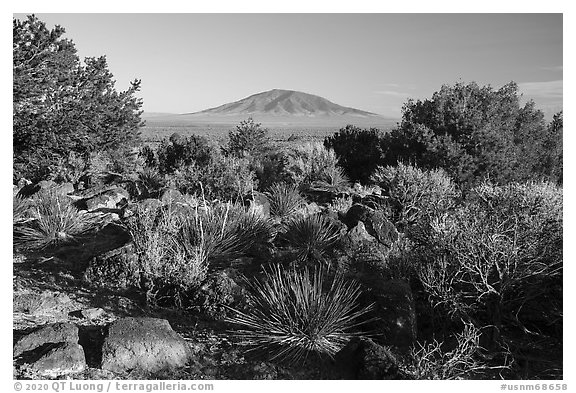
373 62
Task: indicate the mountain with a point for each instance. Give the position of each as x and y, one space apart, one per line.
284 103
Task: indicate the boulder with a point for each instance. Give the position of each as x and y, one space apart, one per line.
114 269
396 313
136 188
151 204
23 182
144 344
65 188
309 209
46 184
110 200
61 332
359 234
171 196
45 303
375 221
382 228
66 358
362 359
89 313
260 204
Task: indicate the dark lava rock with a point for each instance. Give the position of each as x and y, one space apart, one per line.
375 221
114 199
362 358
145 344
66 358
47 302
396 314
115 269
61 332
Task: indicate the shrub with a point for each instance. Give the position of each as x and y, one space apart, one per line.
310 238
431 361
312 162
225 178
415 193
473 132
55 222
271 168
284 199
120 160
167 268
248 140
496 260
214 296
359 151
296 313
341 204
177 152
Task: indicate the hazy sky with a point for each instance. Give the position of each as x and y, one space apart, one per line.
373 62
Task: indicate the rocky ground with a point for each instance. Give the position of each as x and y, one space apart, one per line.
72 321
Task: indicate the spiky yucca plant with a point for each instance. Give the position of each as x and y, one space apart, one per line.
56 221
284 199
21 210
310 237
296 313
335 177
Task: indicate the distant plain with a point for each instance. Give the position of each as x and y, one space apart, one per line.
161 127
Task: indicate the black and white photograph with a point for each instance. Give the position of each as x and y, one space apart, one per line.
206 197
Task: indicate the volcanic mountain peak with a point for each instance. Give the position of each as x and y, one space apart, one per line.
283 103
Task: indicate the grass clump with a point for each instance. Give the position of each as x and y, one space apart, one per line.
48 220
177 250
296 313
310 238
224 232
284 199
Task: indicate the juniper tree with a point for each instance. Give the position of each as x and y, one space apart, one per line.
62 106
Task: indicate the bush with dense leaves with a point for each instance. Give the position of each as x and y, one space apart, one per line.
471 131
249 139
475 132
178 152
359 151
302 164
61 105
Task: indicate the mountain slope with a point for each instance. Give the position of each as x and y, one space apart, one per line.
284 103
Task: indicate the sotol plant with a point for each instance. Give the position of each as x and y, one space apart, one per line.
296 313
